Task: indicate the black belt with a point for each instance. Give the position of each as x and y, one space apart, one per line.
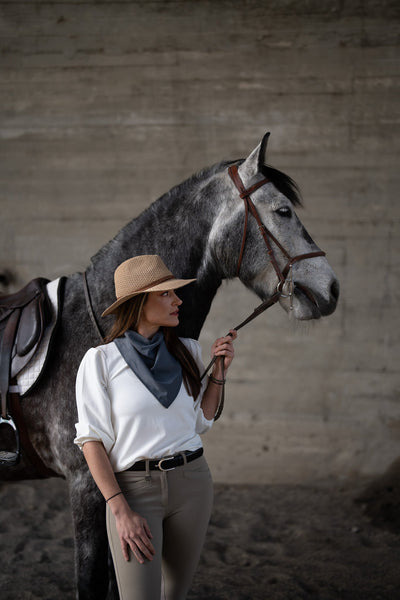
168 463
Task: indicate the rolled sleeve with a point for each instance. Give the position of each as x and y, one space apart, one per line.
93 402
202 424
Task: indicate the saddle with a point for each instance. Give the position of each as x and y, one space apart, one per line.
24 317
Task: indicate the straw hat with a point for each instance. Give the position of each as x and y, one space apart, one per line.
139 274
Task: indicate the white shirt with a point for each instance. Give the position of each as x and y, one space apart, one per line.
116 408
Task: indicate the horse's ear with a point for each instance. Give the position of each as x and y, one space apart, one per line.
263 151
253 163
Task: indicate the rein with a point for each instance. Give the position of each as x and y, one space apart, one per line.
89 307
282 274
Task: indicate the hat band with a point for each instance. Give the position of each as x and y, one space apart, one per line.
150 285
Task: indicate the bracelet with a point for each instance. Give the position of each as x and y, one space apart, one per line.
111 497
215 380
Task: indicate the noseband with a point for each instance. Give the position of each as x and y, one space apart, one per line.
282 274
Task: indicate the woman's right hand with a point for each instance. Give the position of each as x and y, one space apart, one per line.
134 532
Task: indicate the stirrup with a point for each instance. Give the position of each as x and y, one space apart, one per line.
10 458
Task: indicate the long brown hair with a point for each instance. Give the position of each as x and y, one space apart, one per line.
127 316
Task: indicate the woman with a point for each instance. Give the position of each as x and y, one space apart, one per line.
141 408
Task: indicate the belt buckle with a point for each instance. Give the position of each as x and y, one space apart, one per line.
159 465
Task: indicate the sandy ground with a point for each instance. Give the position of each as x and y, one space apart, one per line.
281 542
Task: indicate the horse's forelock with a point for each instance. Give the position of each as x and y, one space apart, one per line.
285 184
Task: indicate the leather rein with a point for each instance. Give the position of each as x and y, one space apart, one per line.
282 274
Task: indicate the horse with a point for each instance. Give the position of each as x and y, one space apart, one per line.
202 229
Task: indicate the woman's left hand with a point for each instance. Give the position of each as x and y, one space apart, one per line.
224 347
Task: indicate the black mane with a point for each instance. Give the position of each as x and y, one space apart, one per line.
285 184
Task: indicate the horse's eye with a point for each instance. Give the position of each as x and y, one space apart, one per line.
284 212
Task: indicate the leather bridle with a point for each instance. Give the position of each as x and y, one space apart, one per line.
282 274
245 194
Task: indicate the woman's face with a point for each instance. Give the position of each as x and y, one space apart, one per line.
161 309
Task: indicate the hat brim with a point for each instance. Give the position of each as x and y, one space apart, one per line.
171 284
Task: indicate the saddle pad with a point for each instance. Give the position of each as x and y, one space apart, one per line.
28 376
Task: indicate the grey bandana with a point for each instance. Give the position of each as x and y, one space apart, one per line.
151 362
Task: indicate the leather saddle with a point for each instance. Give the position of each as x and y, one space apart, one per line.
24 317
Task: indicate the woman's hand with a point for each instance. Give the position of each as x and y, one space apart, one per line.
134 533
224 347
133 530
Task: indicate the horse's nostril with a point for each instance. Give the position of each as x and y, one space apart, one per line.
335 290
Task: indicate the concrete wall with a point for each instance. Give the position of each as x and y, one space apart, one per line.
105 105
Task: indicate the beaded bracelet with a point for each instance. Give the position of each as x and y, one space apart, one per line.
111 497
217 381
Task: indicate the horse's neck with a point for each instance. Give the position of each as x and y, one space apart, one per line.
178 231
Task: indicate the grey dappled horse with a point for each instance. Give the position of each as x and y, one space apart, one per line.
197 229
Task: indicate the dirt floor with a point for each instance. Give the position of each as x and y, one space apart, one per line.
280 542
